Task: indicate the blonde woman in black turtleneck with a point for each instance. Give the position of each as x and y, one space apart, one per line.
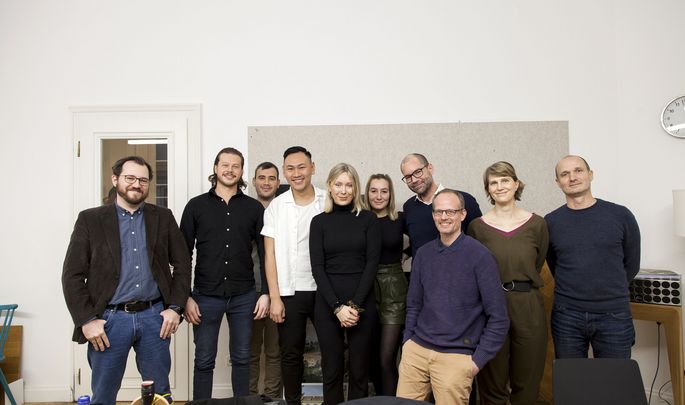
344 245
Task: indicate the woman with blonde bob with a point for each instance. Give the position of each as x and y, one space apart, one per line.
391 284
344 247
518 239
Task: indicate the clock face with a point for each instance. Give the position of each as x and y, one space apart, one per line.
673 118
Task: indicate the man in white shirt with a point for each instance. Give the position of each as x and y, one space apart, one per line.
288 269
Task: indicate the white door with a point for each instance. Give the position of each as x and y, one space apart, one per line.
170 138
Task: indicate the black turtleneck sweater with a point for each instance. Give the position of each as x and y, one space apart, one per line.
343 242
392 234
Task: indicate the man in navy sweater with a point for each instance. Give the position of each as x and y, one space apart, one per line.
456 312
417 174
594 252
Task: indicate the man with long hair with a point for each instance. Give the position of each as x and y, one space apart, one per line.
222 225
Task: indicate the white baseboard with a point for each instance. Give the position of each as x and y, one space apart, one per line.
56 393
222 391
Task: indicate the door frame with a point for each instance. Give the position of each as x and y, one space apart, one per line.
182 124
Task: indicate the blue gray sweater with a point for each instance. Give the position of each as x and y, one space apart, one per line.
593 254
455 302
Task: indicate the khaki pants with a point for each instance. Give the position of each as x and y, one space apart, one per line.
265 331
448 375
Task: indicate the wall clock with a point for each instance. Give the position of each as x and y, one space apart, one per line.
673 118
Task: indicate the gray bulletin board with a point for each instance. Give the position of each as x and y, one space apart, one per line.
459 152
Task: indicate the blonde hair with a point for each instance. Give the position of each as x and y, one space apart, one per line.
390 209
336 171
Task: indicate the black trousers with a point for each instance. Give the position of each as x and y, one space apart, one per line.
291 337
332 343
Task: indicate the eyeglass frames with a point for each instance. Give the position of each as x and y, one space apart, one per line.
130 179
418 173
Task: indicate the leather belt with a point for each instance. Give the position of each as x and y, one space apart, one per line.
390 268
134 306
517 285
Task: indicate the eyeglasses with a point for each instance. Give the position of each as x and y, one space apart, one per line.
418 173
143 181
449 213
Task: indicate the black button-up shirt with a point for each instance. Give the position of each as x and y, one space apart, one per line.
223 234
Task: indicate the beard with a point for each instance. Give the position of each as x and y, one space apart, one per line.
422 189
267 195
126 192
228 181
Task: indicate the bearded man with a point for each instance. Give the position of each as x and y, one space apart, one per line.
222 225
125 279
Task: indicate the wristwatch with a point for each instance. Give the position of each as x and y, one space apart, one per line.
176 309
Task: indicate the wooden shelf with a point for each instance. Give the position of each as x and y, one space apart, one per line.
672 319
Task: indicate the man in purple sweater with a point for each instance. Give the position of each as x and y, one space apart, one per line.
456 312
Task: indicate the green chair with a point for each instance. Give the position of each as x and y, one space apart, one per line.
6 315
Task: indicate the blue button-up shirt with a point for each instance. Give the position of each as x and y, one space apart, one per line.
135 278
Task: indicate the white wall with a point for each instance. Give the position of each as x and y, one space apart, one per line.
608 67
649 163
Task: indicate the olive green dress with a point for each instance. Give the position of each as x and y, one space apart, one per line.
519 365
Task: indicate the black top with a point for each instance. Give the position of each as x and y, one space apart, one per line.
223 235
342 242
392 234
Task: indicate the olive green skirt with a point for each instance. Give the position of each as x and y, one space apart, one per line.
391 294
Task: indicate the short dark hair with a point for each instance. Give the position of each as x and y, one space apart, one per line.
449 191
265 166
230 151
119 165
297 149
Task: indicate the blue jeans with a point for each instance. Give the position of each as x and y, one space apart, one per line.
124 330
238 310
611 334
